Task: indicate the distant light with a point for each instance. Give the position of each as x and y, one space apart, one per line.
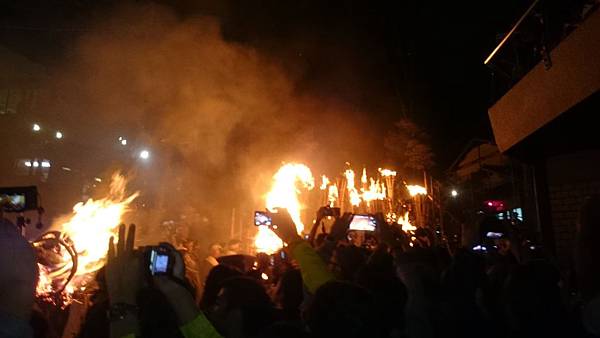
120 138
58 135
66 168
144 154
123 142
264 276
36 127
27 163
36 164
46 164
454 193
98 179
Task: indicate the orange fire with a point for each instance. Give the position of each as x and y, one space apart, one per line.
88 230
324 182
405 223
415 190
352 192
284 194
332 195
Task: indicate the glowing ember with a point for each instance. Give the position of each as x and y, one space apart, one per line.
405 223
415 190
284 194
87 231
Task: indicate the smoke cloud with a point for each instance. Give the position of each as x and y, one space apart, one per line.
219 116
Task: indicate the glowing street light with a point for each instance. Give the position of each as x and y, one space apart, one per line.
144 154
58 135
123 142
36 127
454 193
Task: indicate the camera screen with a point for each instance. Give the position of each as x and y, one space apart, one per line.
363 222
159 263
12 202
261 218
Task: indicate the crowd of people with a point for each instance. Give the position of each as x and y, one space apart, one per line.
383 283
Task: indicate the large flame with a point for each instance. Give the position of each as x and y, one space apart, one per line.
87 230
284 194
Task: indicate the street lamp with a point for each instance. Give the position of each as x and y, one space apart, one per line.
36 127
144 154
454 193
58 135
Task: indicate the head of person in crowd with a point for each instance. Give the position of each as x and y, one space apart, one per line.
347 260
465 275
422 238
243 308
533 300
18 278
215 250
213 283
389 293
234 247
343 309
290 293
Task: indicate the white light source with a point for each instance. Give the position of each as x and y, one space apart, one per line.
144 154
123 142
27 163
36 164
98 179
454 193
36 127
58 135
46 164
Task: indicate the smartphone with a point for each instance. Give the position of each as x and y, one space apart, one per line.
160 261
333 212
262 218
363 222
18 199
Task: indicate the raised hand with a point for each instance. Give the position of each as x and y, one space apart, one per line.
284 226
180 298
123 268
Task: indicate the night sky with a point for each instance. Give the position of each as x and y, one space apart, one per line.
414 58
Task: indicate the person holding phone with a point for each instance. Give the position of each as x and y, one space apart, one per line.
165 268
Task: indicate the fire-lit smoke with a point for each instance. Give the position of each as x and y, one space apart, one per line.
87 230
214 112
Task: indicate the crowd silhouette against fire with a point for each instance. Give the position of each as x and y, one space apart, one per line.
380 284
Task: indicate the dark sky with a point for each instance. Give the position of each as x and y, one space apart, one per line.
422 59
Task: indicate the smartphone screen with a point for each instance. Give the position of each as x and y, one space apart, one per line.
262 218
159 262
12 202
363 222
